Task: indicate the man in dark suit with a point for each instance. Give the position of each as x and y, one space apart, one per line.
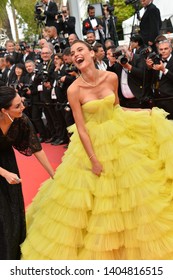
33 96
10 50
46 70
68 22
50 10
163 78
10 75
95 24
27 53
150 23
134 87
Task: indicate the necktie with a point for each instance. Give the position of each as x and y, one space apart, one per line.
164 60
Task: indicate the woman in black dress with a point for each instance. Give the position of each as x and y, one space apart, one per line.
16 131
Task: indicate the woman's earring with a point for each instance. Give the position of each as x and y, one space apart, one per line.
9 117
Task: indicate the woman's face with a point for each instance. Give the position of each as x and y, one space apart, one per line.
16 108
18 71
81 55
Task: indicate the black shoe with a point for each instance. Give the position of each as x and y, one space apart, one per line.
58 142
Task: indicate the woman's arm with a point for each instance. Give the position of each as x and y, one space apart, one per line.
42 158
83 134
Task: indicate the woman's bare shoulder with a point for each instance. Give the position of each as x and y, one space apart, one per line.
111 75
108 77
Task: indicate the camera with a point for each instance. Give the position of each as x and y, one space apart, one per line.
2 51
41 76
59 15
147 53
37 11
37 6
56 45
63 43
45 76
22 47
23 88
119 55
154 57
71 68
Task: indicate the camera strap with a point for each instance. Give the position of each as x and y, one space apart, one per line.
48 65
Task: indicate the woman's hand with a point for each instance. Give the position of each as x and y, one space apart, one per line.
97 167
11 178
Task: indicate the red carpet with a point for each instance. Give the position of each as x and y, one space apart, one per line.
33 174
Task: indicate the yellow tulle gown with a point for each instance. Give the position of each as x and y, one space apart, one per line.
127 212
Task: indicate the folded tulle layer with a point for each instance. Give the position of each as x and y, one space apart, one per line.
126 213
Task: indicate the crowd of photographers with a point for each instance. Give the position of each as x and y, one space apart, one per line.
42 75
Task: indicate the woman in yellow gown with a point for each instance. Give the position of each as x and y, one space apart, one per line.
111 198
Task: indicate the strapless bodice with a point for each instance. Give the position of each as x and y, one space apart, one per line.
99 110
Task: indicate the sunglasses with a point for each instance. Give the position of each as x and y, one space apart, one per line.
64 12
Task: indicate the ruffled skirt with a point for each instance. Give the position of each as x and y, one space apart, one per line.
126 213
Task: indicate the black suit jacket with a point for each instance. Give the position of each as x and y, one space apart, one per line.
3 76
150 24
50 14
163 97
68 26
45 96
138 79
165 85
11 76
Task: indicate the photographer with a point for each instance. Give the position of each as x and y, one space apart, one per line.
65 77
33 94
67 23
54 38
19 79
162 71
57 95
44 75
9 73
27 53
109 24
10 51
58 43
48 12
150 23
100 61
134 86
